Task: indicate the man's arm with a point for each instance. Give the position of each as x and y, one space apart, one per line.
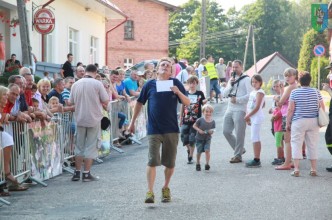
248 88
133 93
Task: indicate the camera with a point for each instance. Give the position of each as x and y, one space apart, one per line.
230 95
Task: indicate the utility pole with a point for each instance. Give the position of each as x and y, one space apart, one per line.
24 33
254 47
246 49
203 30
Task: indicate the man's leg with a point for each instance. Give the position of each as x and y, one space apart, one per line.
151 177
91 150
228 127
168 174
240 131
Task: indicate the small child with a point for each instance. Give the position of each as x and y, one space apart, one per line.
53 104
189 114
255 117
222 89
277 125
205 127
33 90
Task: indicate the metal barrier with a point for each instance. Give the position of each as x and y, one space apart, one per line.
66 138
2 171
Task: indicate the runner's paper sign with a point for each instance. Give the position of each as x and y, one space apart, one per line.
164 85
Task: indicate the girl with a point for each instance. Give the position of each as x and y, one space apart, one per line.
205 127
255 117
290 75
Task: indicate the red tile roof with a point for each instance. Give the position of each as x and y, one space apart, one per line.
261 64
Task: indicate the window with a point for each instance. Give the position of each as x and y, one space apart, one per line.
73 43
49 48
129 30
128 62
93 50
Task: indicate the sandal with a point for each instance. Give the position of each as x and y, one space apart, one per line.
4 192
313 173
14 184
295 173
17 188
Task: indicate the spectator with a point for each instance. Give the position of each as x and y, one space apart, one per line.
13 65
69 81
48 77
80 71
184 74
2 54
7 145
162 126
228 71
59 86
44 87
147 74
67 69
303 123
221 69
212 73
149 66
79 64
328 133
26 73
201 70
88 96
119 85
131 84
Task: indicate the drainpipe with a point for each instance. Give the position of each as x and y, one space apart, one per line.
43 35
106 38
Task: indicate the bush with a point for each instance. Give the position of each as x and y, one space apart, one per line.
268 87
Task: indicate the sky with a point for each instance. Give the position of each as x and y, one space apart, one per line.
226 4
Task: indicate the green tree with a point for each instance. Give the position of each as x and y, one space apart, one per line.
324 61
179 22
310 39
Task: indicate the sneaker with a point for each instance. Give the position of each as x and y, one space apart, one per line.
253 164
236 160
87 177
76 176
329 169
149 197
207 167
278 161
190 160
198 167
166 195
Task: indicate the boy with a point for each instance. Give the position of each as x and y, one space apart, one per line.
189 115
205 127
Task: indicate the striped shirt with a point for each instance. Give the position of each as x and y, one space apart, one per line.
306 102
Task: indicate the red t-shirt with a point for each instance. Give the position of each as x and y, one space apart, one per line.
28 97
8 107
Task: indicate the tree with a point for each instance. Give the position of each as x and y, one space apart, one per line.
179 22
324 61
190 43
310 39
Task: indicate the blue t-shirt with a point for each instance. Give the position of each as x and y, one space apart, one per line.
130 85
120 88
162 107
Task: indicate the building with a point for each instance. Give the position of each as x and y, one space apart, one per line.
270 67
80 29
143 35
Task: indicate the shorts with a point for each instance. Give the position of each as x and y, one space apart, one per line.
202 145
221 80
87 141
188 134
278 135
169 143
255 133
283 126
6 140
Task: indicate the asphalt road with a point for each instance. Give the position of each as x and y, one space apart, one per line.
227 191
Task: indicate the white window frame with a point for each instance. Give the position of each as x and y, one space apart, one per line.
73 43
128 62
93 53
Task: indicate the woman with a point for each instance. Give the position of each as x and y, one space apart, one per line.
7 145
302 121
43 88
290 75
228 70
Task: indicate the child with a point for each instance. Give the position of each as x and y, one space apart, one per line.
189 115
205 127
255 117
33 90
53 104
277 125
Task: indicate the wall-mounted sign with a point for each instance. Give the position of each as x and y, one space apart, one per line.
44 21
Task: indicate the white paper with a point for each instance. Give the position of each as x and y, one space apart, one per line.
164 85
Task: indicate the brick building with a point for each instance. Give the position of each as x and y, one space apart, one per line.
141 36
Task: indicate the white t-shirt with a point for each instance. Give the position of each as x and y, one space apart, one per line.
221 69
258 117
87 94
200 70
183 76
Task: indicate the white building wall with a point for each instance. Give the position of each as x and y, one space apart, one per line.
67 14
274 70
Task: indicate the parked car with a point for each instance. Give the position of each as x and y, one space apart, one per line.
140 66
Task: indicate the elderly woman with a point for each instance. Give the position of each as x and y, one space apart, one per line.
302 121
7 145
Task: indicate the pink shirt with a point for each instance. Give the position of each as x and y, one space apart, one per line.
284 107
277 124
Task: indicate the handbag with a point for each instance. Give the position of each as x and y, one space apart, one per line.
323 118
